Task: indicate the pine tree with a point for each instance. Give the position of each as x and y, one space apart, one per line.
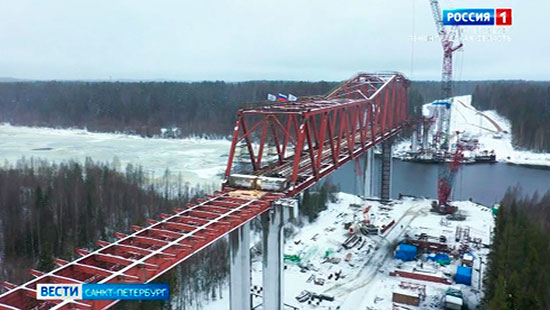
498 301
46 261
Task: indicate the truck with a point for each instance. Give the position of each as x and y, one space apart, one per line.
453 298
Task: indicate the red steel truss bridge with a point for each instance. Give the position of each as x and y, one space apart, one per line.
312 137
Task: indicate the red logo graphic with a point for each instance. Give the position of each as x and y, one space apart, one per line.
503 17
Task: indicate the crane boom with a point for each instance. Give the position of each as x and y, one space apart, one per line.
447 42
436 11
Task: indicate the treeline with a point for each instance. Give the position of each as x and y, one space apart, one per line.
48 210
518 274
209 108
422 92
525 104
315 201
199 279
143 108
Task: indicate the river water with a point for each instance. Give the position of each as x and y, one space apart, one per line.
201 161
483 183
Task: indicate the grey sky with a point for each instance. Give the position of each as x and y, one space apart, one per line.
256 39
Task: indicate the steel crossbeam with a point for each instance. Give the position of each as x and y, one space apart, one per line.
144 255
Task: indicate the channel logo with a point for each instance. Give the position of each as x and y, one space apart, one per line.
108 291
477 17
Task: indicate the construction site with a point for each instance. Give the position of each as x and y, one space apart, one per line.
411 253
437 137
365 254
451 126
365 251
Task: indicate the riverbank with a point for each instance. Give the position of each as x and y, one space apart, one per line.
492 130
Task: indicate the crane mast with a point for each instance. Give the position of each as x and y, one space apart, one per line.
447 42
447 38
446 173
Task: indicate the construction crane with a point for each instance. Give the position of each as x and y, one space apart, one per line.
447 38
446 173
446 179
448 43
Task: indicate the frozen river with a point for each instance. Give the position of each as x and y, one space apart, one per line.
203 161
199 161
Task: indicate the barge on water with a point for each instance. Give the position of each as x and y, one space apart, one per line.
430 158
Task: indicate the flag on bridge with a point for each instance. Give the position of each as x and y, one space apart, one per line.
291 97
271 97
282 97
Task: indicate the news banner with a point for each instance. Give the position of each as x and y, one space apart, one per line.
110 291
478 17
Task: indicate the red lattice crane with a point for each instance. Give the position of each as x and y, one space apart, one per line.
446 179
441 138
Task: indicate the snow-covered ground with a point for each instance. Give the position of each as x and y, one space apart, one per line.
491 129
200 161
366 283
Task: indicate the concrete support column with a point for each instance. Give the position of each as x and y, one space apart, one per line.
425 132
239 261
369 173
385 192
272 223
414 142
282 211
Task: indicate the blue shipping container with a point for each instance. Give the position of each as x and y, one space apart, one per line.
463 275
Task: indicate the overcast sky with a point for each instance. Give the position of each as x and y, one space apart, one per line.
257 39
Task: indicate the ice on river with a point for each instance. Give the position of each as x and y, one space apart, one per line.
200 161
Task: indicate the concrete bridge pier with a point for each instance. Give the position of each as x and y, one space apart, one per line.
414 140
425 133
385 189
370 176
239 266
273 221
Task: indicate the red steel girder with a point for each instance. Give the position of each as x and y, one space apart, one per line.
147 253
321 133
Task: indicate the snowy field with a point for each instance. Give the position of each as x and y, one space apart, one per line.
492 130
199 161
366 283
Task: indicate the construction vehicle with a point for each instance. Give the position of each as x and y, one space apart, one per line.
453 298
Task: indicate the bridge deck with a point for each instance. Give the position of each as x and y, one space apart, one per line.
367 101
148 252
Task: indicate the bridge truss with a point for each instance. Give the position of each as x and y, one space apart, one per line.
312 137
316 135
